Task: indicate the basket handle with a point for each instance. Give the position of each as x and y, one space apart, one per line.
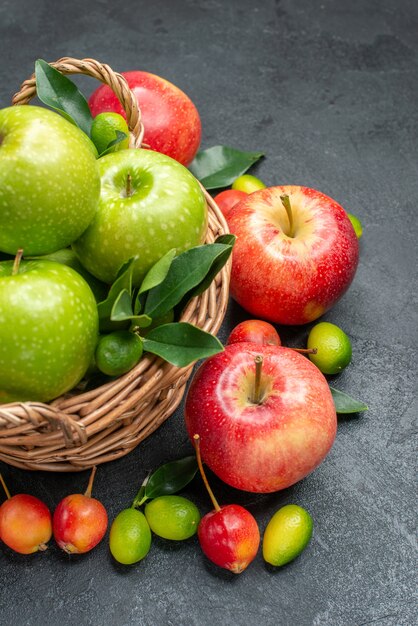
103 73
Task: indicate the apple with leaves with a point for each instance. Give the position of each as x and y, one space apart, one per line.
149 204
48 329
296 253
265 414
49 180
171 121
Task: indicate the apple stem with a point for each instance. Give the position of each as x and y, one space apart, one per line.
288 207
7 492
257 382
196 440
306 350
17 260
129 186
88 491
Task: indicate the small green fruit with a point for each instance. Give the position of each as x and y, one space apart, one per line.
118 352
247 183
287 534
172 517
103 132
129 537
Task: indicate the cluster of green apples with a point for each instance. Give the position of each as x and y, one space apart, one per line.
56 194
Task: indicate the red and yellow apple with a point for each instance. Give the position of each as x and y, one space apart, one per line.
171 120
289 266
262 427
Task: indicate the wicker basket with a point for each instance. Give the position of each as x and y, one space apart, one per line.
82 429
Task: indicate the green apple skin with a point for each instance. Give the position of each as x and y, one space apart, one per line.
165 208
67 256
48 330
49 180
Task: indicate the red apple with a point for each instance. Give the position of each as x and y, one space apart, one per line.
255 331
291 264
171 120
264 427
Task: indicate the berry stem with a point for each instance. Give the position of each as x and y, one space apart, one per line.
6 491
257 382
196 440
306 350
288 207
88 491
17 260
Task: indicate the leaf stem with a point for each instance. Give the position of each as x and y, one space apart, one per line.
16 263
140 497
7 492
256 399
89 489
196 441
288 207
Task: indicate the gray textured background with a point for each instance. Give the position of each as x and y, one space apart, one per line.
328 89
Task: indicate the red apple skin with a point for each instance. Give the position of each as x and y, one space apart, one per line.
291 280
79 523
262 447
229 537
25 524
171 120
255 331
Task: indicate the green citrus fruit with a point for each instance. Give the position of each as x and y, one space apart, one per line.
130 537
103 132
172 517
247 183
358 228
287 534
117 352
333 348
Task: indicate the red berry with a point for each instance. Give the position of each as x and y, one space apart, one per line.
80 521
229 198
255 331
229 537
25 524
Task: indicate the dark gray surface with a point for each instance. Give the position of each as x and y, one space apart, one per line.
329 91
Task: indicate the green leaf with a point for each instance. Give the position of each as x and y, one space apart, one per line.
123 282
345 404
61 94
167 479
122 311
219 166
120 136
227 239
181 343
122 307
158 272
215 268
186 272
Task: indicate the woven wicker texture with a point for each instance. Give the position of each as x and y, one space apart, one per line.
86 428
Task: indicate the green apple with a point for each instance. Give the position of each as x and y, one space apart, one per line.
49 180
67 256
48 330
149 204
